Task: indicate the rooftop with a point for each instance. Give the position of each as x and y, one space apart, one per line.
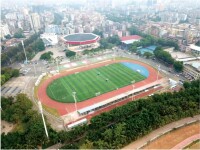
79 37
131 37
194 47
195 66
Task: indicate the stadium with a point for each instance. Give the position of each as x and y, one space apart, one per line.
91 89
81 41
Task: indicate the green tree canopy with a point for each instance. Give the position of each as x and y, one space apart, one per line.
46 56
30 134
69 53
98 32
7 73
7 36
133 48
19 34
147 54
40 45
163 55
178 66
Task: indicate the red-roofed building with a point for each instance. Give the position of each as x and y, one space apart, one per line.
130 39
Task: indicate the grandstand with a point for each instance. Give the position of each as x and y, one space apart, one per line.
120 97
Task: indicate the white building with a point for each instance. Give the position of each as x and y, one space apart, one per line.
53 29
49 39
195 49
35 21
4 30
11 16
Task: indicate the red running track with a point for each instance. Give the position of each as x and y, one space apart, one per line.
65 108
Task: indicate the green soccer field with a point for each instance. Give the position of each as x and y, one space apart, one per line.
90 83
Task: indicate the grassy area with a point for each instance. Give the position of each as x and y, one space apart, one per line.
88 83
51 110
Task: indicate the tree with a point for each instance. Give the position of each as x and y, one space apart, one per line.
19 34
186 85
178 66
3 79
6 102
134 31
87 145
163 55
7 73
139 53
31 133
7 36
147 54
101 144
15 53
15 72
98 32
104 44
133 48
69 53
163 42
40 45
46 56
157 19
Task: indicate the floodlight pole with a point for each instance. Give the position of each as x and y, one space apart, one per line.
132 94
34 68
133 88
24 50
57 66
74 96
158 72
41 111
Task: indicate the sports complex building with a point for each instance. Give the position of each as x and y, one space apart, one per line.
98 86
80 41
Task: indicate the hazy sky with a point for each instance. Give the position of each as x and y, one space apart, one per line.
22 2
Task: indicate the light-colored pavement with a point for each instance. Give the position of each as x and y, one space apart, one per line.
156 133
57 51
6 127
15 86
56 146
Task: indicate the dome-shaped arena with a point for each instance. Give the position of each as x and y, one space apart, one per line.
81 38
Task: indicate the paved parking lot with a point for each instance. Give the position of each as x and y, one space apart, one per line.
15 86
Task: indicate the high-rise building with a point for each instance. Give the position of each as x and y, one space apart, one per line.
35 21
4 30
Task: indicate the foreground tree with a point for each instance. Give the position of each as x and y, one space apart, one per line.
147 55
46 56
178 66
70 53
19 34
